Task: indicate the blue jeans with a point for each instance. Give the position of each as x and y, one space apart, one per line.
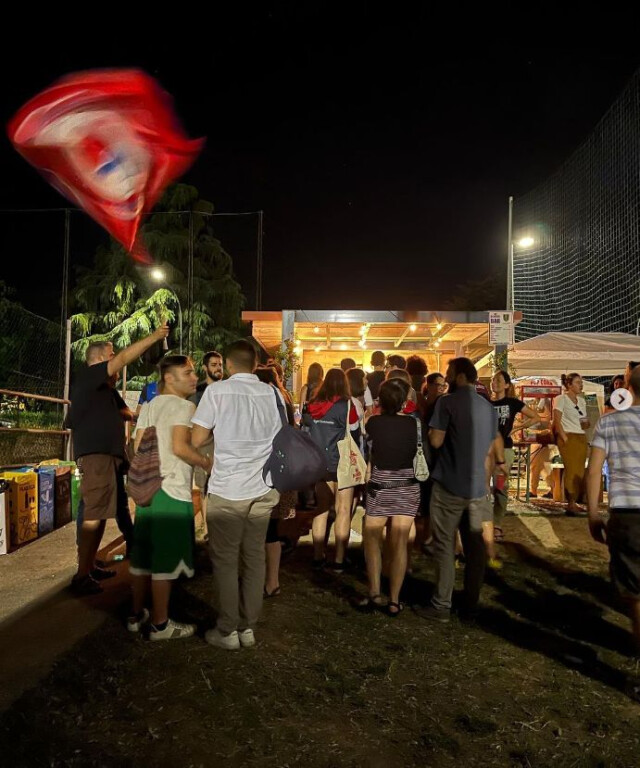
123 518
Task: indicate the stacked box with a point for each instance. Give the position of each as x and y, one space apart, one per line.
46 499
63 496
22 505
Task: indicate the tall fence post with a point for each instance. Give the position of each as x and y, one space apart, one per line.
67 384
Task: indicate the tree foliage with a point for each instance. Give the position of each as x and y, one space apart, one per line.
117 300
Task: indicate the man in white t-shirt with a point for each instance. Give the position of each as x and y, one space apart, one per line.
163 532
242 412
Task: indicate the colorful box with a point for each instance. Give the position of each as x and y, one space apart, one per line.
4 517
63 496
22 503
46 499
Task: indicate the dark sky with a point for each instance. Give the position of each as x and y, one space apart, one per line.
383 171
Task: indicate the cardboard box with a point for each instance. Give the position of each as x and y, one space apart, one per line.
22 503
46 499
63 496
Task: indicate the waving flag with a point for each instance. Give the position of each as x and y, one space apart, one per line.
109 142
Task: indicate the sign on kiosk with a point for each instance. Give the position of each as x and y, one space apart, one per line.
501 328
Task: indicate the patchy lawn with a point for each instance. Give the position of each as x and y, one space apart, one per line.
543 679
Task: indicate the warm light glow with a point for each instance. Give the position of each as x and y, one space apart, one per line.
317 349
343 346
362 343
157 274
437 342
316 329
413 327
438 326
525 242
363 329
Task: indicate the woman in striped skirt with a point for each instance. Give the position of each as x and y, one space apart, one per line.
393 493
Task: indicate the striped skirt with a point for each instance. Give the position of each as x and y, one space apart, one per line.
387 502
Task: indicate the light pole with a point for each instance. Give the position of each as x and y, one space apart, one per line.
159 276
523 242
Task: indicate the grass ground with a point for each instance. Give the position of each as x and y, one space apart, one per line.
543 679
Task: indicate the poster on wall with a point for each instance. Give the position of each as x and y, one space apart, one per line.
500 328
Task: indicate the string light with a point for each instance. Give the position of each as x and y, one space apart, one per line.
343 347
413 327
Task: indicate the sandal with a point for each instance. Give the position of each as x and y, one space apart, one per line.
275 593
371 603
399 608
498 534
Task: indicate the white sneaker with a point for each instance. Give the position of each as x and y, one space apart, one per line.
355 537
247 638
173 631
228 642
136 626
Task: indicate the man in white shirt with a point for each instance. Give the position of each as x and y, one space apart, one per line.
163 532
242 413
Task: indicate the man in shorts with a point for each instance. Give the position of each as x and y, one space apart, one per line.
163 531
98 446
617 440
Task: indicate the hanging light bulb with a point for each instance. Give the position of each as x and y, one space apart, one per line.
316 329
317 349
413 327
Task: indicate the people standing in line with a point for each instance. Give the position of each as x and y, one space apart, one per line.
326 419
285 508
464 428
347 363
616 383
393 493
411 406
212 364
315 375
570 422
243 415
163 532
507 407
417 370
99 447
358 385
617 441
396 361
213 372
434 387
376 377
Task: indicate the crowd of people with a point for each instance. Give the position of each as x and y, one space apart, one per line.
399 415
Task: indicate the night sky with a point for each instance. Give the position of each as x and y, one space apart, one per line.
383 172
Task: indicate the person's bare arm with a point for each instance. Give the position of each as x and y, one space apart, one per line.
199 435
530 418
436 437
594 481
184 449
134 351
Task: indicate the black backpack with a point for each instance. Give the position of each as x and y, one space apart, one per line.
295 462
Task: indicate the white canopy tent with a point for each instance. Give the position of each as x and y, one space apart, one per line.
589 354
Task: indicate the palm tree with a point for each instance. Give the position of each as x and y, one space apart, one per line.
119 301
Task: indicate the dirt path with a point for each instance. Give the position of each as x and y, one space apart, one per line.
542 680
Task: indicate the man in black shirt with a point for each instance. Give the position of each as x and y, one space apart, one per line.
98 446
376 377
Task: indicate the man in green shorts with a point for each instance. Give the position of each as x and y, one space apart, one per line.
163 532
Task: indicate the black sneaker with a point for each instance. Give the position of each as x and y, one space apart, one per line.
318 565
433 614
85 586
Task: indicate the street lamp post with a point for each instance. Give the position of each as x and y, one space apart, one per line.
523 242
159 277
